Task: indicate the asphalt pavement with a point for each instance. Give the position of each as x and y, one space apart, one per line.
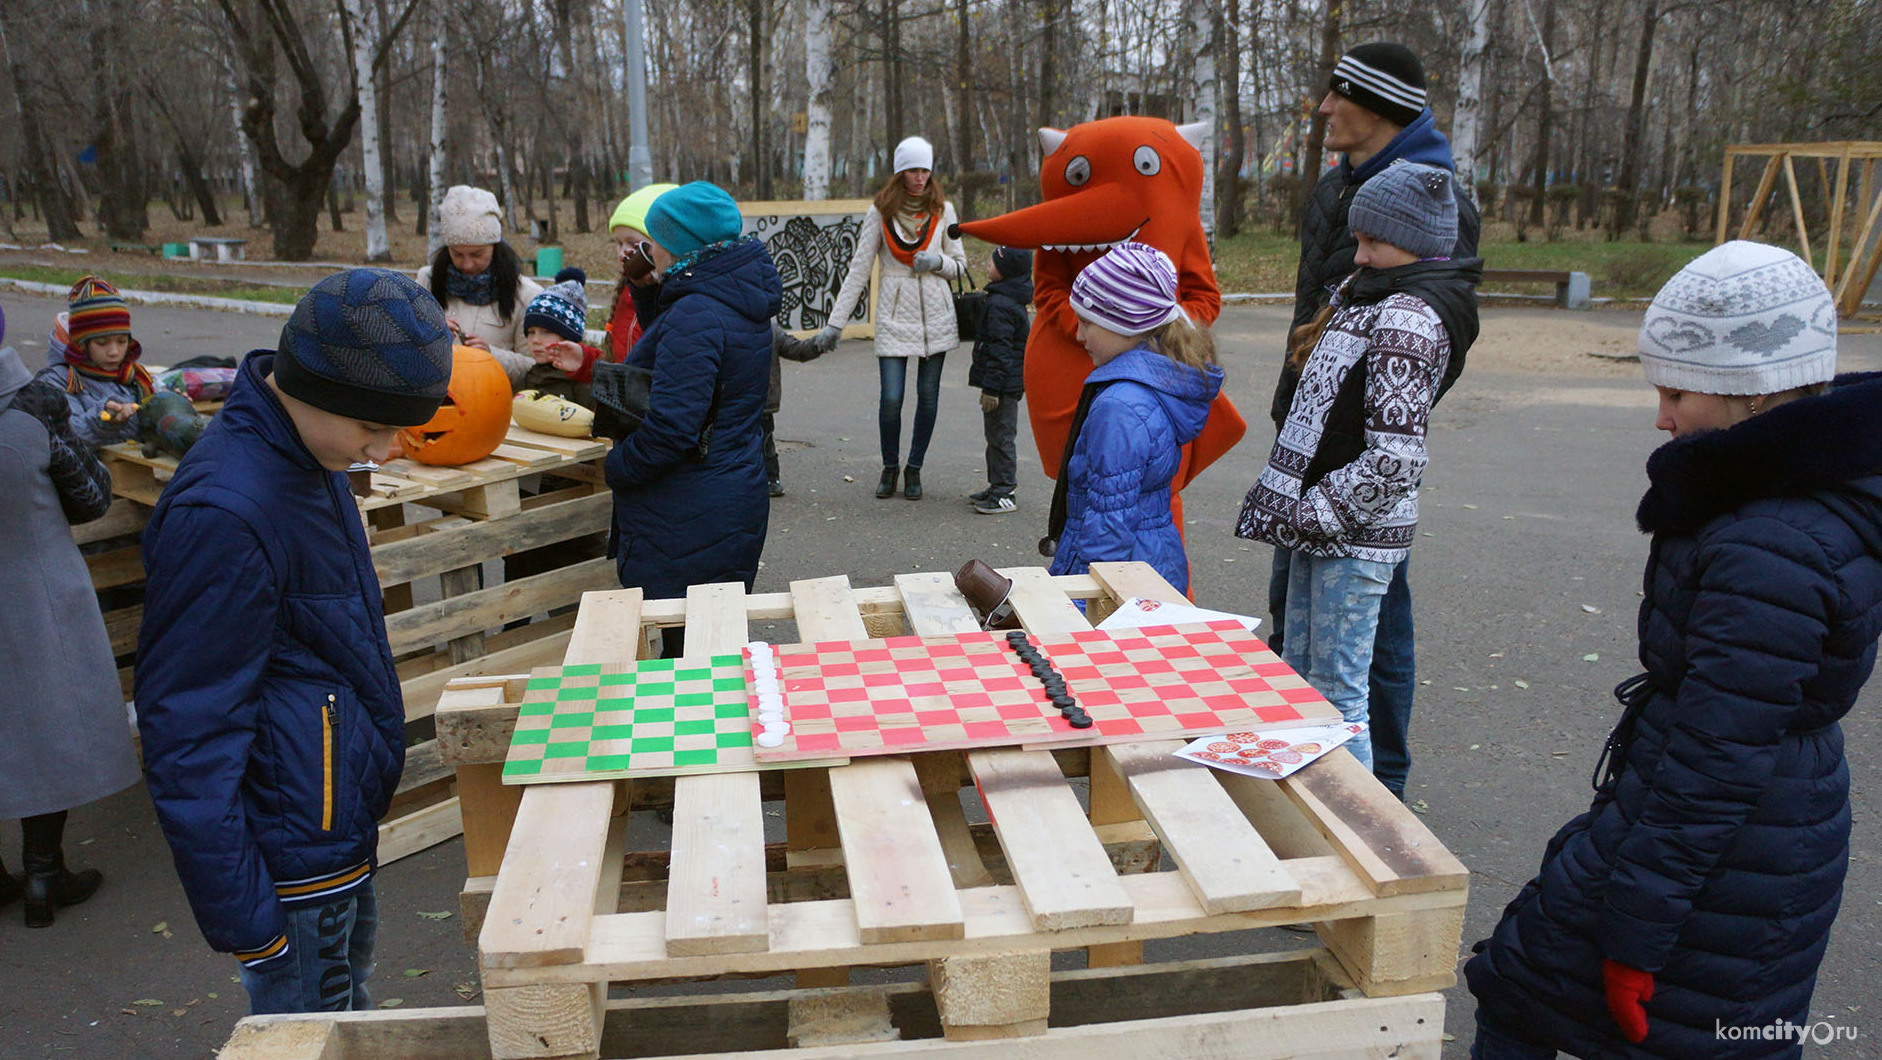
1526 582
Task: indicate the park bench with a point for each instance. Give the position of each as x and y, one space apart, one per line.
1571 288
136 248
227 250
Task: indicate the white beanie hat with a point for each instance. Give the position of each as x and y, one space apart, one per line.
914 153
1742 318
469 217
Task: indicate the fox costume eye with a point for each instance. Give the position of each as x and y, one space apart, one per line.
1147 161
1078 171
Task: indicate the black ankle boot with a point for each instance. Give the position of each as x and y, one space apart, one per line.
50 885
886 488
10 888
911 483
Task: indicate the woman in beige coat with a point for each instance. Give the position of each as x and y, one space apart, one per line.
907 230
479 280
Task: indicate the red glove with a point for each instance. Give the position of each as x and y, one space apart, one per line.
1627 989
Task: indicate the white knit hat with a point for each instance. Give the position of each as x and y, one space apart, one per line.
914 153
1742 318
470 217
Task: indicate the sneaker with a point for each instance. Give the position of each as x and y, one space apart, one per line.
979 495
777 488
995 506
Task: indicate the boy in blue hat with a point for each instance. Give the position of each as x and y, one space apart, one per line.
273 728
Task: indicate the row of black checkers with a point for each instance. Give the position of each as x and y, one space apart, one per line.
1055 683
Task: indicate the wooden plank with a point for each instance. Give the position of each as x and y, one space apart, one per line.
474 542
716 899
1797 211
526 456
1005 995
423 691
826 610
121 566
545 893
1725 198
121 628
1214 846
574 448
1397 953
435 623
934 606
120 520
1837 201
607 628
1041 606
453 584
1060 867
1385 843
941 775
420 830
1765 183
548 1020
899 879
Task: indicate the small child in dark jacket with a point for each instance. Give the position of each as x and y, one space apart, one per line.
554 325
273 727
999 373
790 347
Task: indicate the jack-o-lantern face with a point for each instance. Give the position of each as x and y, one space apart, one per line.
474 417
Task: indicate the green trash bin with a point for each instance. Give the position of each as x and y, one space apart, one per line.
548 261
176 250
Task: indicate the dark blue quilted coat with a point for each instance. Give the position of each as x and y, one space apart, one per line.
680 521
1716 860
273 726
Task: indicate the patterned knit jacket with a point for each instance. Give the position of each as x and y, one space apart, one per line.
1368 508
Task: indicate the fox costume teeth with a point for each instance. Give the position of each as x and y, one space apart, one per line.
1096 178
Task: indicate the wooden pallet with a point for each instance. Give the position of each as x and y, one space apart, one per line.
425 526
559 920
1253 1007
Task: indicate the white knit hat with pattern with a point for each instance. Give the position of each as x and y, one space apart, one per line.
1742 318
469 217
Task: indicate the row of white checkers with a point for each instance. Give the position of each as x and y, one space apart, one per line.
771 727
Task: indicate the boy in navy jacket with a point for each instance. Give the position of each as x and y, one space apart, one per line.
273 729
998 372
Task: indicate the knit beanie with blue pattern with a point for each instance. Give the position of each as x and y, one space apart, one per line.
367 344
1411 206
563 307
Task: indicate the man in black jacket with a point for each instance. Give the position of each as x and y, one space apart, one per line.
1376 115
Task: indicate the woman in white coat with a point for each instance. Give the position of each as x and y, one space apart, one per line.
479 280
907 229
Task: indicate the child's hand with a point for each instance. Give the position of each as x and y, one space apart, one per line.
564 355
989 401
117 411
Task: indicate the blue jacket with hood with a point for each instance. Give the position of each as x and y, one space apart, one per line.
680 521
1117 498
273 727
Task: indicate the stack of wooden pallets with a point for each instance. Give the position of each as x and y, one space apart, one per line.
880 866
427 526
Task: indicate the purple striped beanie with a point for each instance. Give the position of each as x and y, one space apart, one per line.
1131 290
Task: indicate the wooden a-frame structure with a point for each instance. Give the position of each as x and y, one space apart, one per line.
1850 268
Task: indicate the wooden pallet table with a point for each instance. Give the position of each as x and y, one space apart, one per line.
880 865
427 526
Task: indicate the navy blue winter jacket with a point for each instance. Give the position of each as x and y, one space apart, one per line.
679 521
1716 860
999 365
273 728
1117 498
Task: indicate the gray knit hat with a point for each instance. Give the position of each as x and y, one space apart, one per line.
1411 206
368 344
1742 318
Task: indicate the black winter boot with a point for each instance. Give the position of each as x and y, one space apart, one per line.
911 482
49 884
886 488
10 888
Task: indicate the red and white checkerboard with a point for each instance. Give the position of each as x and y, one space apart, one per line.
905 694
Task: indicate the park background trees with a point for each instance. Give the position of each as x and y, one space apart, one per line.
1593 114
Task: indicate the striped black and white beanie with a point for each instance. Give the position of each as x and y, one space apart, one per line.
1384 78
1742 318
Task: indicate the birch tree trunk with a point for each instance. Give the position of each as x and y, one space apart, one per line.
251 181
1202 37
440 130
1467 120
377 248
818 74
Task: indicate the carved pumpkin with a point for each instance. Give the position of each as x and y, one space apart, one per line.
474 417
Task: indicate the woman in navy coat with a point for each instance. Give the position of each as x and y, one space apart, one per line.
690 499
1689 907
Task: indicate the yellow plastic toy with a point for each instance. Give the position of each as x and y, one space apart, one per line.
549 414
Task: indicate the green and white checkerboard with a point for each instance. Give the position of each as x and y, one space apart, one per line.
654 718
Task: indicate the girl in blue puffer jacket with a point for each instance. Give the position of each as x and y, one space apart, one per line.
1148 396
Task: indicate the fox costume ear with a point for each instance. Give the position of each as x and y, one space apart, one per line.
1196 132
1049 141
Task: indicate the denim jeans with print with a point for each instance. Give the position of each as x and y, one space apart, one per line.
1332 617
329 956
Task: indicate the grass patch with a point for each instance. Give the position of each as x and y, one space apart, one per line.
155 281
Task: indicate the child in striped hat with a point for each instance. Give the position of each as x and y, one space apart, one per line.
94 360
1146 398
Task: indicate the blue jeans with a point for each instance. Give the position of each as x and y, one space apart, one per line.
1494 1044
1393 680
329 957
1332 617
894 372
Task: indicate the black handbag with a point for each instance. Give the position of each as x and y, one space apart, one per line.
622 393
970 307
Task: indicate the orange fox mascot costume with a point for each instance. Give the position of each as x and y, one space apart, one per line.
1106 182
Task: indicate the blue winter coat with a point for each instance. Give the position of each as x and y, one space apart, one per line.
679 521
274 732
1716 860
1117 498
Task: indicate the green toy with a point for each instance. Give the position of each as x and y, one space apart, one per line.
168 422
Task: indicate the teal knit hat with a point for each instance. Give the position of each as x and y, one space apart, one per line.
691 216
